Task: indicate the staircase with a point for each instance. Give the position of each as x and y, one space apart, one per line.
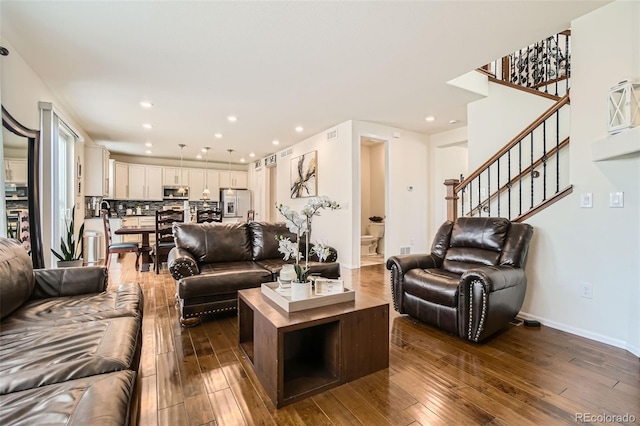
530 172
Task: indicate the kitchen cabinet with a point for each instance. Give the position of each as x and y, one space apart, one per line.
120 181
96 160
130 221
198 179
171 176
144 182
139 221
15 170
234 179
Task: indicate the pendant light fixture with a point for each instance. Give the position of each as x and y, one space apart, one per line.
205 191
181 189
230 190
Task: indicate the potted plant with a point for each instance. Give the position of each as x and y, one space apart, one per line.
70 253
300 224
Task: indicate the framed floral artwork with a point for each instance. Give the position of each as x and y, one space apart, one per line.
304 175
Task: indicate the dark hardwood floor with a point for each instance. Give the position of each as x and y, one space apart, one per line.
198 376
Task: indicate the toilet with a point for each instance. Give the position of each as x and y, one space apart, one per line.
371 243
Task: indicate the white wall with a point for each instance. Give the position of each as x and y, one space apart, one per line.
339 177
372 177
335 162
601 245
573 245
448 154
406 165
493 121
22 90
365 187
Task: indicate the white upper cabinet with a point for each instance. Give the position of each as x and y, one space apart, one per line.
234 179
171 176
196 184
144 182
120 181
15 170
201 178
96 174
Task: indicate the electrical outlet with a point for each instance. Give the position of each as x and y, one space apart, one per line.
586 290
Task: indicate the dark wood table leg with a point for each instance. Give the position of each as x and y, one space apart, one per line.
145 249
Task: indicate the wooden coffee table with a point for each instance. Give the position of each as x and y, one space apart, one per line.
299 354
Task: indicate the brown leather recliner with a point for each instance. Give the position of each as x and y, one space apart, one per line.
472 283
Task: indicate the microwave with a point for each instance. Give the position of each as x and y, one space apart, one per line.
174 193
16 191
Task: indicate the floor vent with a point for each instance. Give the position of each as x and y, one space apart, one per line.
405 250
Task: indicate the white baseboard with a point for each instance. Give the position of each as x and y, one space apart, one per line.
583 333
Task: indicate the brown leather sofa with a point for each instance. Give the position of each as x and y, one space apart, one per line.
212 261
69 350
472 283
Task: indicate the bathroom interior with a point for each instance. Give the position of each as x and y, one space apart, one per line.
372 202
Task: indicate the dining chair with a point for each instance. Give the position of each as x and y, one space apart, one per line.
164 235
210 215
113 248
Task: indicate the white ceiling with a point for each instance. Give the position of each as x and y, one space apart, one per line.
275 65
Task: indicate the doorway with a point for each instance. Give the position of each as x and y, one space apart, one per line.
373 177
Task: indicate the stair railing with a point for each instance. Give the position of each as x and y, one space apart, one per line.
525 175
544 66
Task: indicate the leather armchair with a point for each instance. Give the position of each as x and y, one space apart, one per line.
472 283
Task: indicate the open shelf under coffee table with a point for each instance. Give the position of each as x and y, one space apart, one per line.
296 355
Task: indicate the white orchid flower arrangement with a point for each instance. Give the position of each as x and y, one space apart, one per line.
300 224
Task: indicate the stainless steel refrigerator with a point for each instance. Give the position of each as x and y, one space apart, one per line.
235 203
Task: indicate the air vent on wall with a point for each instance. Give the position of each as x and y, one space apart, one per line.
332 134
287 152
405 250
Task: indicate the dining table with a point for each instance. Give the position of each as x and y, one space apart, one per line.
145 248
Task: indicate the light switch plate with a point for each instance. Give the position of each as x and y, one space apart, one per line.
586 200
616 199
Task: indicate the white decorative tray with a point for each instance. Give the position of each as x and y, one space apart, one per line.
282 298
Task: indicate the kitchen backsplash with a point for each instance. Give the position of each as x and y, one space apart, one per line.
147 208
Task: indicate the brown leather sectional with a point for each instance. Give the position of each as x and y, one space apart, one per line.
212 261
69 349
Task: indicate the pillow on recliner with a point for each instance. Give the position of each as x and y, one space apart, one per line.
16 276
487 233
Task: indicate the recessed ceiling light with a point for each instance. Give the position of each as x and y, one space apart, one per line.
429 118
276 142
148 151
146 104
147 126
299 129
242 160
251 154
218 135
198 156
232 118
148 144
453 121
